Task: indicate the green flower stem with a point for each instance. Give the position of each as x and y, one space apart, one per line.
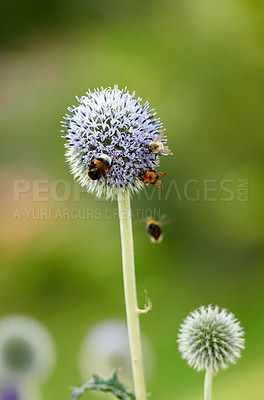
208 380
131 294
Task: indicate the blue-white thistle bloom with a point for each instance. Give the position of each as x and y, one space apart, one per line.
111 122
210 338
27 349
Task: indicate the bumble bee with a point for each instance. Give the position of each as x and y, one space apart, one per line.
158 147
153 178
154 230
99 166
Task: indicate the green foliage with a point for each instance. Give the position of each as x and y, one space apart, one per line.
110 384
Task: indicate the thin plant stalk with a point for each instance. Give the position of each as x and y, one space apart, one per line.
208 380
131 294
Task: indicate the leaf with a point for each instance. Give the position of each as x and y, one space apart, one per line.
110 384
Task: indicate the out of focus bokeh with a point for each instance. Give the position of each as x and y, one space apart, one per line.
200 65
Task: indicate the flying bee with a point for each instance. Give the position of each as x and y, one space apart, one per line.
153 178
154 230
158 147
99 166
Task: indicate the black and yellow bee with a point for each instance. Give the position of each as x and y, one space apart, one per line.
154 230
153 178
158 147
99 166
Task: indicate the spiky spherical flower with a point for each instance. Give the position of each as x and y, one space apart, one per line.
26 348
114 123
210 337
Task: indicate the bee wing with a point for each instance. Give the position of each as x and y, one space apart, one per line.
166 222
167 151
141 221
158 184
163 220
161 135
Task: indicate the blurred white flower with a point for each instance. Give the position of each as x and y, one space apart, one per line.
106 347
210 338
19 389
26 349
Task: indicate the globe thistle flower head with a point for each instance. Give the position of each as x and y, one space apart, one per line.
26 348
210 337
113 123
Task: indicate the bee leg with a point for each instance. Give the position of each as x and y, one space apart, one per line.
89 163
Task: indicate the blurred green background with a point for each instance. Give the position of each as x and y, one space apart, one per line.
200 65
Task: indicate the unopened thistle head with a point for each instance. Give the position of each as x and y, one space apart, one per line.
26 348
210 337
111 123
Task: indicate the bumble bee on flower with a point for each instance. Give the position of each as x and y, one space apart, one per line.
99 167
153 178
158 147
110 139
